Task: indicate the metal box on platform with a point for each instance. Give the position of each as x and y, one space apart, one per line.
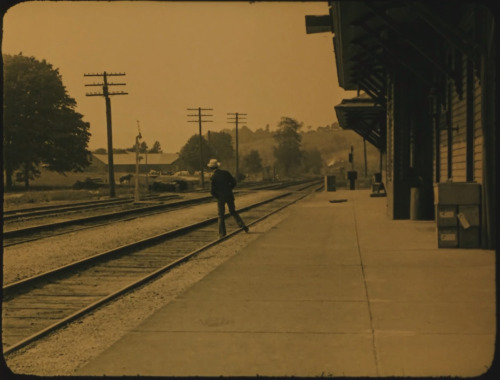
458 219
446 215
457 193
330 184
447 237
469 223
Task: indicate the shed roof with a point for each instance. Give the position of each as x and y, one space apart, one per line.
364 116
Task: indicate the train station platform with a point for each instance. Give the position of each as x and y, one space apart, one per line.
335 289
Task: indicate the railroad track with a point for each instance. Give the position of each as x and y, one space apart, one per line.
32 233
36 306
37 232
39 211
44 211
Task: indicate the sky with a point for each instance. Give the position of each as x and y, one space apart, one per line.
252 58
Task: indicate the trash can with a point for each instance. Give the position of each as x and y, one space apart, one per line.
414 203
330 183
458 206
352 176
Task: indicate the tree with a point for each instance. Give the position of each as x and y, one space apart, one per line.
287 153
40 123
189 155
100 151
143 147
312 161
156 148
221 146
252 162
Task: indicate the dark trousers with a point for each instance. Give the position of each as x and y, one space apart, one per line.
221 208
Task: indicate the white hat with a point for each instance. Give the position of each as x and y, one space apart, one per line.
213 163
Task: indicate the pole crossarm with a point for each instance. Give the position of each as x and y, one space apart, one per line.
109 84
109 93
236 118
104 73
105 84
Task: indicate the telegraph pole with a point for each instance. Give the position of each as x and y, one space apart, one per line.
199 120
235 118
107 94
137 138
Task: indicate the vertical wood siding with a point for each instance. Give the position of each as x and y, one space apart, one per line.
443 151
459 139
434 158
459 125
390 150
478 133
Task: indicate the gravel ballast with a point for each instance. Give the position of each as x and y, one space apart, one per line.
66 350
26 260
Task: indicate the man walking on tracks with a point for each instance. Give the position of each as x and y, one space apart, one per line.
222 185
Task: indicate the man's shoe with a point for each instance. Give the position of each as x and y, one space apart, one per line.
245 228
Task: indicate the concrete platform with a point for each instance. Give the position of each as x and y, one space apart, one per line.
336 289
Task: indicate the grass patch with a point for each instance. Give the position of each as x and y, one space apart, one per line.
52 187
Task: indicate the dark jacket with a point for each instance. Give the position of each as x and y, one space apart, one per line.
222 184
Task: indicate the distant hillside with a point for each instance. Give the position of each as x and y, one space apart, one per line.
333 142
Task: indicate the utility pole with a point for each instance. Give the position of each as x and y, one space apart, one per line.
351 158
199 120
366 163
352 175
137 138
235 118
107 94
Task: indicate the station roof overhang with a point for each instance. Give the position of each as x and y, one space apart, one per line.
355 54
372 39
365 117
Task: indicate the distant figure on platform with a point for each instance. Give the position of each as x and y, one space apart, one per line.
222 185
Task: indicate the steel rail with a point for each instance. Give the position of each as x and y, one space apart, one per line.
143 243
121 250
10 234
89 219
21 211
47 210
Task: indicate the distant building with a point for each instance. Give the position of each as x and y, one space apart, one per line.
125 162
